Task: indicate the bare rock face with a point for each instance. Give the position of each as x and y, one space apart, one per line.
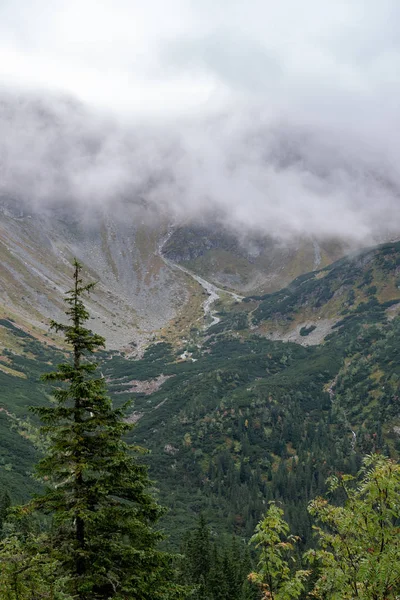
137 291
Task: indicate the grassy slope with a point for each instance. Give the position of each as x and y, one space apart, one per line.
259 264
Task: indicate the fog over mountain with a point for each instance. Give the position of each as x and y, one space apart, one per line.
278 120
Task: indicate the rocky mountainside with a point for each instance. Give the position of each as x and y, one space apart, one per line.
137 293
143 265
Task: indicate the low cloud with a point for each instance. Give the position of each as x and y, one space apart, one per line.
278 118
253 171
268 117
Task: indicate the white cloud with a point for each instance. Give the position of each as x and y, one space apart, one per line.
174 56
281 117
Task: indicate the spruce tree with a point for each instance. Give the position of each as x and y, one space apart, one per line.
97 493
197 562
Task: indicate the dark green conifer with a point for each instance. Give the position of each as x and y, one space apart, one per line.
97 492
5 503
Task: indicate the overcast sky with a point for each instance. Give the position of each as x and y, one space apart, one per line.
329 68
188 55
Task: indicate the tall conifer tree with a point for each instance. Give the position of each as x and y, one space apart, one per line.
97 492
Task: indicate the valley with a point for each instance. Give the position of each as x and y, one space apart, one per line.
146 286
235 414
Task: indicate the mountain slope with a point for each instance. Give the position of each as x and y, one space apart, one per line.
249 262
254 419
137 292
237 418
314 303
